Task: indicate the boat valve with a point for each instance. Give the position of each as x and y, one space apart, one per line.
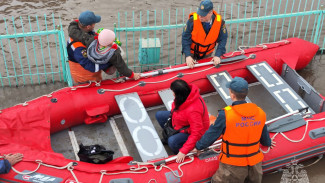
100 91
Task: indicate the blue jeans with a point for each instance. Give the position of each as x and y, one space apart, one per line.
176 141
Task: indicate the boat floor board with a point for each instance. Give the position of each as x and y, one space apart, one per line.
278 88
167 97
303 88
139 124
219 81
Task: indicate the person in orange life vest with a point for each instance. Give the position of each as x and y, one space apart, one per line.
202 32
188 110
243 128
81 34
105 52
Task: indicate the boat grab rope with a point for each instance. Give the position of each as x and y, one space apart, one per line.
135 170
154 180
295 141
50 94
85 86
316 161
268 148
69 167
241 49
73 88
156 82
307 121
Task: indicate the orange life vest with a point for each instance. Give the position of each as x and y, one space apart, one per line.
203 44
78 73
241 140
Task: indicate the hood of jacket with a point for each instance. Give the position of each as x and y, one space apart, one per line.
100 57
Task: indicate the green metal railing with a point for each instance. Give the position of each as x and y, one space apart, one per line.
33 55
247 24
36 53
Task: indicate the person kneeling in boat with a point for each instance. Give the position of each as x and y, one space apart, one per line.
105 52
188 109
202 32
243 127
8 161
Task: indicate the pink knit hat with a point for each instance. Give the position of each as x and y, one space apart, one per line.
106 37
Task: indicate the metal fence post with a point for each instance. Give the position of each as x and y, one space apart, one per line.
318 26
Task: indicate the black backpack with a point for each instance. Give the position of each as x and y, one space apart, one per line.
96 154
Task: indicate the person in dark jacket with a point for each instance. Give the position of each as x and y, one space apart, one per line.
188 109
203 30
81 35
84 68
82 30
8 161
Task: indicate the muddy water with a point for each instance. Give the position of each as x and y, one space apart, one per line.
70 9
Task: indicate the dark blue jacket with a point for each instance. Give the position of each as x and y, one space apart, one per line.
4 166
79 55
219 127
187 37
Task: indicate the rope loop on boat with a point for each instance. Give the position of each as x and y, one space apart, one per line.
132 170
303 137
269 148
316 161
241 49
179 167
291 140
30 172
69 167
156 82
152 180
136 170
85 86
23 104
76 87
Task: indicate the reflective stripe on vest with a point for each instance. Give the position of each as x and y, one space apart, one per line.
74 45
203 44
241 140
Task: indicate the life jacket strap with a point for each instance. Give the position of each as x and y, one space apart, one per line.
200 54
239 145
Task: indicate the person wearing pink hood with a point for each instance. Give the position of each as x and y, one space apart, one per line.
188 109
104 53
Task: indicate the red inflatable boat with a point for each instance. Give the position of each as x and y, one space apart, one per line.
26 128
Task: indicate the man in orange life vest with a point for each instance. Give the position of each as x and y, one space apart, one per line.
83 65
202 32
243 128
81 34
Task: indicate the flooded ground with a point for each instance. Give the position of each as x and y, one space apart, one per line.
70 9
